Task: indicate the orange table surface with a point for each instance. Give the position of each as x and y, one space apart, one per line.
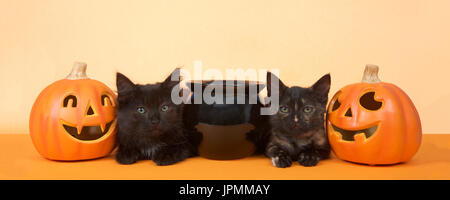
19 160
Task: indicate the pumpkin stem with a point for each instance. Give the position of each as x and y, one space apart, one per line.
78 71
371 74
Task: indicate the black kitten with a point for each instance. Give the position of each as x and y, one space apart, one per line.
297 131
150 125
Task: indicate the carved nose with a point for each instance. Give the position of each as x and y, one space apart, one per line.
90 111
348 113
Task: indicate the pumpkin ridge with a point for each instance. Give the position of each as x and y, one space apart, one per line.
399 140
55 123
409 110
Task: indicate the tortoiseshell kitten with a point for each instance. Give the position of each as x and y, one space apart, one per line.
297 131
150 125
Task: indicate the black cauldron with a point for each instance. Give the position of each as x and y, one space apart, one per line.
224 126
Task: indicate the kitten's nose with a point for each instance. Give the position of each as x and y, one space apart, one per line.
154 118
155 121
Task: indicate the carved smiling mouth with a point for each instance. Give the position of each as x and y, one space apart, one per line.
88 132
348 135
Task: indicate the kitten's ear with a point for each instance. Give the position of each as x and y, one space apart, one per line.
271 77
124 85
174 78
322 87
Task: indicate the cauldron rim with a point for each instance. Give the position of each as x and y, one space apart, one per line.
235 83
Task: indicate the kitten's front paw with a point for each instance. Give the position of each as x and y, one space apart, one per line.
170 157
165 162
126 159
308 159
281 161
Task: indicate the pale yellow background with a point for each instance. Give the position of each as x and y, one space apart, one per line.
408 39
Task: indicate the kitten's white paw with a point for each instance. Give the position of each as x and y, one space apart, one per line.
281 162
274 160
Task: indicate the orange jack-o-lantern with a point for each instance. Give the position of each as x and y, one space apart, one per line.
373 122
74 118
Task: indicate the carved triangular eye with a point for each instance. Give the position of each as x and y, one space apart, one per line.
70 100
368 101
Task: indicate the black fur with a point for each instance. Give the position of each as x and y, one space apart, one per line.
155 133
298 133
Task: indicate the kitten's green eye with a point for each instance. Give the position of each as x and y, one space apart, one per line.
164 108
308 109
284 109
141 110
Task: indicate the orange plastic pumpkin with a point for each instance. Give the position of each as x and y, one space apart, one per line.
74 118
373 122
